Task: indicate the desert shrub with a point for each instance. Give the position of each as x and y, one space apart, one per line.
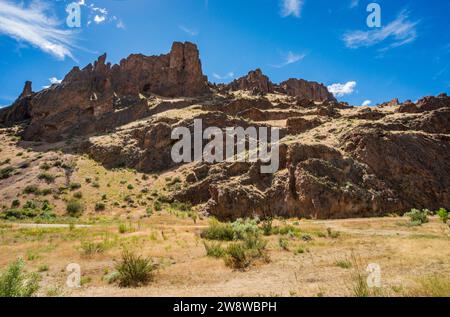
14 282
218 231
267 226
15 203
74 186
92 248
32 189
431 286
6 172
95 185
74 207
43 268
45 166
241 228
236 256
134 271
125 228
46 191
333 234
344 264
283 243
443 215
78 195
157 206
418 217
100 206
214 250
176 205
130 187
49 178
7 161
241 255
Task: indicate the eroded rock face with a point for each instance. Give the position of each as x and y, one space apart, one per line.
255 81
87 95
20 110
305 89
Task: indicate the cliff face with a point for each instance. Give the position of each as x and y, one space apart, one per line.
306 90
259 84
86 95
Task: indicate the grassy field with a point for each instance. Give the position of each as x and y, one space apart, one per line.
302 258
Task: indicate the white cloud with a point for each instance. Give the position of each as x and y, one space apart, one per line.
53 81
340 90
291 7
32 25
189 31
401 31
120 25
367 103
227 76
289 59
99 18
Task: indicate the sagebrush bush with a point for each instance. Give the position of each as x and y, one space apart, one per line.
75 207
49 178
236 256
134 271
418 217
14 282
218 231
214 250
443 215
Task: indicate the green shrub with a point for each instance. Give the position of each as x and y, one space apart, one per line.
78 195
15 283
418 217
134 271
218 231
100 206
344 264
284 244
75 207
43 268
243 227
49 178
32 189
157 206
176 205
15 204
45 166
241 255
91 248
130 187
443 215
6 172
236 256
214 250
74 186
267 226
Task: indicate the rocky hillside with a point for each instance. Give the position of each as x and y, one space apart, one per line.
337 161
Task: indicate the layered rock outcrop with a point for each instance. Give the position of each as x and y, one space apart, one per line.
87 97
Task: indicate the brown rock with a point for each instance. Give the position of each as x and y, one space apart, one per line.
255 81
305 89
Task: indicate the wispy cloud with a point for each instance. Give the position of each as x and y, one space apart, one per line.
401 31
229 75
189 31
340 90
290 58
34 26
291 7
366 103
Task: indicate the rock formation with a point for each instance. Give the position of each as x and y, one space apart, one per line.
336 161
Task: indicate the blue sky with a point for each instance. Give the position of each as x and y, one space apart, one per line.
321 40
